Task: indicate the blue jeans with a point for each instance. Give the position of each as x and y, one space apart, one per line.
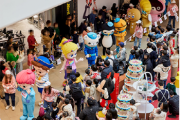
171 18
135 42
46 105
12 99
165 83
81 46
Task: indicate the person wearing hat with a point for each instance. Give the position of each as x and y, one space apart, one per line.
10 86
121 56
138 33
42 66
48 95
131 6
172 16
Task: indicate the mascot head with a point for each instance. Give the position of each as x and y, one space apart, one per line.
120 24
91 39
158 6
134 15
25 79
145 6
107 29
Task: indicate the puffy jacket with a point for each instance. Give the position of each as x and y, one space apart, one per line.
162 70
165 57
149 66
174 104
106 71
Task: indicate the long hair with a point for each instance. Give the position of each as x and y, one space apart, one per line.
49 90
6 79
140 25
67 47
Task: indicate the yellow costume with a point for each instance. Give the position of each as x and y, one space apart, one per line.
146 16
120 31
133 16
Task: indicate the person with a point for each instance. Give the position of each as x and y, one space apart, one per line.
67 30
93 90
2 68
31 40
47 39
83 26
48 95
162 95
132 55
141 52
153 40
161 39
168 32
172 42
89 113
174 62
109 57
153 56
108 68
57 36
114 10
121 56
130 7
113 111
94 73
87 90
157 114
65 116
81 42
173 105
139 33
99 21
10 57
171 86
49 28
133 109
75 37
30 58
148 65
164 56
163 69
55 110
108 116
10 86
92 17
103 12
68 107
169 9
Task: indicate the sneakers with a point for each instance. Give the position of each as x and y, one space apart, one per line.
13 108
40 103
7 107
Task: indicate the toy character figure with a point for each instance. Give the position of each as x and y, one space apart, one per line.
120 31
26 80
107 37
69 50
133 15
42 66
146 16
158 7
91 50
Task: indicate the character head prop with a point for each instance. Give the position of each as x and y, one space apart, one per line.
25 79
120 25
134 15
158 6
91 39
145 6
69 49
107 29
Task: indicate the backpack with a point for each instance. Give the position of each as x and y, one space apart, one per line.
115 65
76 92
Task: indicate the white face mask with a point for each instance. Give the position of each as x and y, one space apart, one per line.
54 109
75 32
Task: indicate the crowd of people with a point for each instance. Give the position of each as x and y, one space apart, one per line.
92 93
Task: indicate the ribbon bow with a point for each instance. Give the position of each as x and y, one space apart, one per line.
67 41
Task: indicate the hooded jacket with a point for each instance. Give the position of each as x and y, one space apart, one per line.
162 70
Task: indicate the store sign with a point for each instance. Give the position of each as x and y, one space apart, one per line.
68 8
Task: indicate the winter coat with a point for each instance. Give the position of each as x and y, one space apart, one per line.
149 66
94 93
165 57
9 88
106 71
162 70
153 57
174 104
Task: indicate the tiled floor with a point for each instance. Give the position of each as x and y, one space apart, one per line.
55 77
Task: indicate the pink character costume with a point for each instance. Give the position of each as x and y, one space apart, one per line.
70 62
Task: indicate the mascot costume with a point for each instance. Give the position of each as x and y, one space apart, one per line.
91 50
107 37
158 7
69 50
146 16
133 16
26 80
120 31
42 66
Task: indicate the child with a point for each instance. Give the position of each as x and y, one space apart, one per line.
141 54
133 109
31 40
93 92
132 55
139 33
172 42
98 61
81 42
55 110
157 114
87 90
75 37
95 74
160 39
153 40
65 116
48 95
88 75
68 107
30 58
171 86
135 48
137 56
108 116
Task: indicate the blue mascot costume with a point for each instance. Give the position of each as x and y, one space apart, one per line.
91 50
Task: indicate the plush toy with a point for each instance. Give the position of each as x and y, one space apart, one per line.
107 37
91 50
26 80
120 31
42 66
146 16
133 15
158 7
69 50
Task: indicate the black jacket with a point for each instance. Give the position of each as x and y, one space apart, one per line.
103 14
165 57
66 32
153 57
98 24
106 71
89 113
174 104
149 66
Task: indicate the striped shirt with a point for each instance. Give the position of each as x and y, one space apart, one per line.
45 78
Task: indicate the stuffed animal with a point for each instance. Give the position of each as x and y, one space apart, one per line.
42 66
146 16
158 7
91 50
107 37
133 15
26 80
120 31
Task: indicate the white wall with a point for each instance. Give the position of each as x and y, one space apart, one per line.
12 11
99 3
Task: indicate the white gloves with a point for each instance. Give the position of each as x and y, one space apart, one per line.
87 56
